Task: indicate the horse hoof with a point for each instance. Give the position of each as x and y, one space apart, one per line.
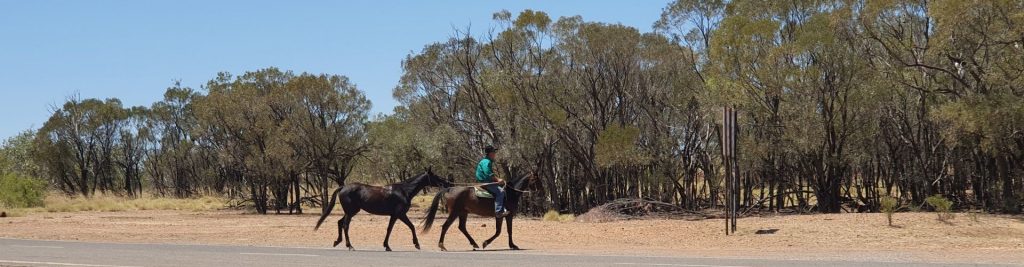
336 243
514 247
350 248
387 249
417 246
441 246
486 243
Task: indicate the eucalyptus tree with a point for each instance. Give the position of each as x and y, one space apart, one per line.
957 65
76 145
327 128
596 108
173 153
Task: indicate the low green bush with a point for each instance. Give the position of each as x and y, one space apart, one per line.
889 205
942 206
18 191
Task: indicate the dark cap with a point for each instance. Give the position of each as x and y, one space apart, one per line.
489 149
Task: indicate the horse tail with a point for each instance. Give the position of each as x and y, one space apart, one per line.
432 212
330 207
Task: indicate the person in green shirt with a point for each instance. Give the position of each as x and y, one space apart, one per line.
485 174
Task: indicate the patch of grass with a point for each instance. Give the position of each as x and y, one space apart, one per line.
57 202
889 205
13 212
941 205
554 216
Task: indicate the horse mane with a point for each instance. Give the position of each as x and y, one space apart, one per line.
409 184
411 179
519 182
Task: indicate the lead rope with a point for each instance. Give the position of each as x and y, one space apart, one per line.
486 184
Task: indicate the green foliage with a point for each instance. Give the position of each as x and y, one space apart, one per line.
402 147
76 146
16 155
17 191
889 205
942 206
617 146
269 126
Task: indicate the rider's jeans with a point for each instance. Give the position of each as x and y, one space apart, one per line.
499 197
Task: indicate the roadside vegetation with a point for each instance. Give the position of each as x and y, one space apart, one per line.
841 104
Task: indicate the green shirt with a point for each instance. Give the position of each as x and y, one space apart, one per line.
484 174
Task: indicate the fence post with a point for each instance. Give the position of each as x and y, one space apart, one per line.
732 170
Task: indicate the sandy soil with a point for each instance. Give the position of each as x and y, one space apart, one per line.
917 237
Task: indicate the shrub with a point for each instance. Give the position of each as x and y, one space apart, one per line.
941 205
889 205
18 191
554 216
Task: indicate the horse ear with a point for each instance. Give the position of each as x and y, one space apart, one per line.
430 169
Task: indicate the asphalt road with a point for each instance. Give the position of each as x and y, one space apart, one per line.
16 252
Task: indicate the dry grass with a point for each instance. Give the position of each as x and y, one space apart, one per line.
13 212
554 216
61 203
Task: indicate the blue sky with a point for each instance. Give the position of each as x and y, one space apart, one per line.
134 50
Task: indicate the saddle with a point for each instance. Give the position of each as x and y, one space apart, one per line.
480 192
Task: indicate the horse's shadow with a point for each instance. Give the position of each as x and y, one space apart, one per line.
381 251
489 250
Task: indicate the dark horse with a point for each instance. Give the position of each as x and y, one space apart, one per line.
461 201
393 200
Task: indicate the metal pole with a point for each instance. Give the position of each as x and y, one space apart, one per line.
731 178
729 174
735 172
730 162
726 163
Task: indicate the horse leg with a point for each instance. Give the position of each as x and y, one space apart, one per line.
391 224
444 230
348 223
415 241
341 231
508 225
497 232
462 227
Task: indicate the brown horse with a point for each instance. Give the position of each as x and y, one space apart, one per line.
461 201
393 200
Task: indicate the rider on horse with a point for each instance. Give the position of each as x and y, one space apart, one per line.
485 174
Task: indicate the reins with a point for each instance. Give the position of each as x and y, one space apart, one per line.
492 183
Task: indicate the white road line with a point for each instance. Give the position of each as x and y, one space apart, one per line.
672 264
280 254
26 246
62 264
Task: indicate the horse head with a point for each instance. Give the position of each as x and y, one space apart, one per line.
436 180
524 182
